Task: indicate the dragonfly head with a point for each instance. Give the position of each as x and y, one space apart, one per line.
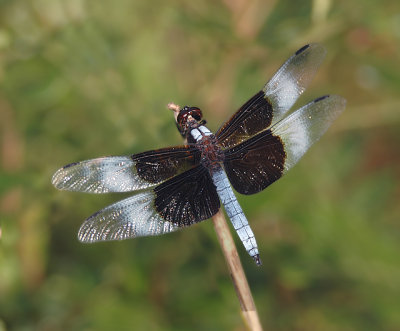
188 118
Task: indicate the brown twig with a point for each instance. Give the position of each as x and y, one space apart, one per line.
249 311
247 306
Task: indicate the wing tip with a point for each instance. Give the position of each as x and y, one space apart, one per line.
59 175
312 46
55 180
321 98
86 234
70 165
302 49
333 98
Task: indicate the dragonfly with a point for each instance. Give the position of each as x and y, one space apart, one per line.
176 187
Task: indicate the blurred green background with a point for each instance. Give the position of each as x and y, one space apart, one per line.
82 78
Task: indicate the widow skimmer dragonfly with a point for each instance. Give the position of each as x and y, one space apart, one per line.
179 186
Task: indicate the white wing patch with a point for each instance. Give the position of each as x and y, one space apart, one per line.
101 175
129 218
305 126
290 81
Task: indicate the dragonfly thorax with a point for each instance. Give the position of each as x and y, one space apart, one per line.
211 152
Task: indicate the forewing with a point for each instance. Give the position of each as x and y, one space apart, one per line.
181 201
264 158
270 104
126 173
292 79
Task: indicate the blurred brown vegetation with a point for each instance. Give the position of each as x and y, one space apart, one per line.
81 79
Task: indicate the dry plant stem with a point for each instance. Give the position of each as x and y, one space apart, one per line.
228 247
237 273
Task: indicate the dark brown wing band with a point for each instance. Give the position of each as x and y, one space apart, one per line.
161 164
188 198
256 163
253 117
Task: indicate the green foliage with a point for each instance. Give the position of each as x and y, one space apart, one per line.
81 79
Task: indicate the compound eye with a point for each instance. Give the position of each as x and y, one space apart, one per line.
196 113
182 116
